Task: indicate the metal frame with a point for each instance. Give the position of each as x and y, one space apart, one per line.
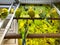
58 11
10 17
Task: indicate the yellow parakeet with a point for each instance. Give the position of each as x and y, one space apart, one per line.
4 13
18 12
31 12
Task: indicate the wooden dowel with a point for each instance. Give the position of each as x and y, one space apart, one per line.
37 18
17 36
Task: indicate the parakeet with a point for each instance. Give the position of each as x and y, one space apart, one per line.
4 13
31 12
12 10
18 12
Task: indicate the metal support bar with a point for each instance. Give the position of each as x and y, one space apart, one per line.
17 36
10 7
56 9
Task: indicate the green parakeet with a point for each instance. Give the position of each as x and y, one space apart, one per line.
31 12
18 12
